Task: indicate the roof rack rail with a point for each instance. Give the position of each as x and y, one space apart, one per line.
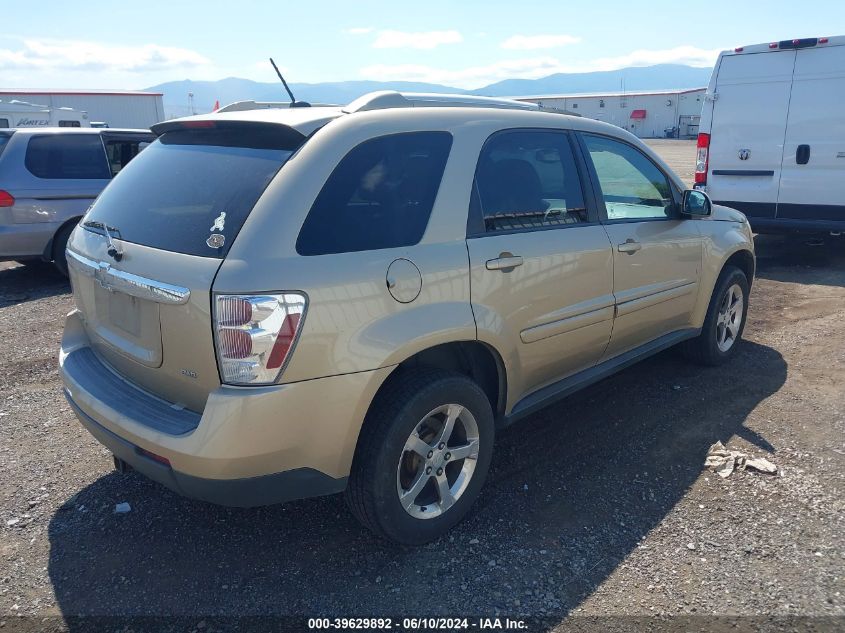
390 99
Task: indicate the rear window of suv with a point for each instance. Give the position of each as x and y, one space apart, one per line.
379 196
191 190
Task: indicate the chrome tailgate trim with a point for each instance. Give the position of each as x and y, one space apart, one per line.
128 283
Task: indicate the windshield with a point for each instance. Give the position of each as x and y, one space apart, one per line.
191 190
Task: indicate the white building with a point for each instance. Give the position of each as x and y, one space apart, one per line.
115 108
645 114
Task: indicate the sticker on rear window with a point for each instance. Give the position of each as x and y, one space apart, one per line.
215 240
219 223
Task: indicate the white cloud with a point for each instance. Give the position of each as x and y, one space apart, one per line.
359 30
531 42
535 67
75 55
422 40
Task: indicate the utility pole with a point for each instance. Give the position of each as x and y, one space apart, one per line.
191 100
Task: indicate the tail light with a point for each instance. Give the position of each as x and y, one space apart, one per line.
6 199
702 159
255 334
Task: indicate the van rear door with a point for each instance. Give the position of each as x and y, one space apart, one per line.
812 183
748 128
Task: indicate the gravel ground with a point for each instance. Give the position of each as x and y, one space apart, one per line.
599 505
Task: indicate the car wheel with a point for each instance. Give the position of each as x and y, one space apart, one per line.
725 320
59 246
422 457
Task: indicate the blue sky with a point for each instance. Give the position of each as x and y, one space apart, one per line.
107 44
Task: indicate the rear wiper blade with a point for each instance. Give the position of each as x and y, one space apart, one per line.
113 251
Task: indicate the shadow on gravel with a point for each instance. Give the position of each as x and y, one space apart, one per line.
36 280
801 258
572 492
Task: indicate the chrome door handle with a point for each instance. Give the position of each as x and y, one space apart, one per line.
630 246
505 262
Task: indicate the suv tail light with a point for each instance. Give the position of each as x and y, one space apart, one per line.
6 199
254 335
702 159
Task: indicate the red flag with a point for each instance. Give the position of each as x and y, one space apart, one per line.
216 106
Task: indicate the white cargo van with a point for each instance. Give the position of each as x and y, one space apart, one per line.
772 135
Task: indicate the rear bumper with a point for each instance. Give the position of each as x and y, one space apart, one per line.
248 447
244 492
24 241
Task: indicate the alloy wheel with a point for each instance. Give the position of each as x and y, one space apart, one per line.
729 318
437 461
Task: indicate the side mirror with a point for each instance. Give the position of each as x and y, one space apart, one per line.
696 203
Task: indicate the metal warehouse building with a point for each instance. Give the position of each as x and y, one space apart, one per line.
116 108
646 114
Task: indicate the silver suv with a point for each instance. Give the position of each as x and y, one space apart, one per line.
277 304
48 178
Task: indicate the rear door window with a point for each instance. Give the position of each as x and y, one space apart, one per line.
526 180
379 196
67 156
191 190
4 123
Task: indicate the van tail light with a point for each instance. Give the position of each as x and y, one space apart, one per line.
6 199
254 335
702 159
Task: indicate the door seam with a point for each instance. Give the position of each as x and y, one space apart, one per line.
785 130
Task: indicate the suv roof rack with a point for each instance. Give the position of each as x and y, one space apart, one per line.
390 99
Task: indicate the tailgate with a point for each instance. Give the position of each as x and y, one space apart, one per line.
143 259
148 316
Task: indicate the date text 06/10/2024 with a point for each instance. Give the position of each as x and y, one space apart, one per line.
411 624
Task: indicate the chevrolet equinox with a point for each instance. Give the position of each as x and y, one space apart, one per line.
284 303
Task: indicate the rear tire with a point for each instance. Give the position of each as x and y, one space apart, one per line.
411 480
725 320
59 245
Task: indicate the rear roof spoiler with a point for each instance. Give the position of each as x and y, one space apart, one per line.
278 134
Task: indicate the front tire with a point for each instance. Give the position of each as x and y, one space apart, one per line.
725 320
422 457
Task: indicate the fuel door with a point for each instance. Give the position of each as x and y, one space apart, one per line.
404 281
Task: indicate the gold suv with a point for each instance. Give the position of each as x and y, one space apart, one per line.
277 304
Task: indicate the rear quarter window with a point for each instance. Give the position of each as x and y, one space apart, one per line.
379 196
67 156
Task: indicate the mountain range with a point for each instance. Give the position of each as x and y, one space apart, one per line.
205 93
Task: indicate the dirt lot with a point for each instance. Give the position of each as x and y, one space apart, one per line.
597 506
680 154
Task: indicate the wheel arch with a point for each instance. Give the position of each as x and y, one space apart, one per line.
744 260
474 359
48 255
